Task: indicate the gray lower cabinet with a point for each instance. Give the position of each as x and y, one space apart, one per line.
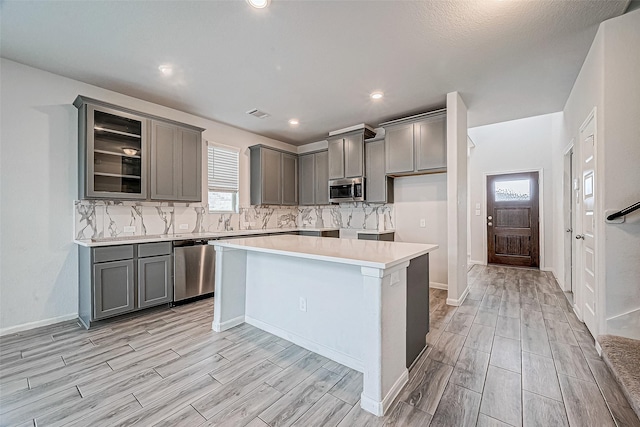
313 181
379 186
155 284
123 278
416 145
114 288
274 176
176 163
383 237
320 233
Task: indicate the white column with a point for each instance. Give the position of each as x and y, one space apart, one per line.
456 198
384 336
230 288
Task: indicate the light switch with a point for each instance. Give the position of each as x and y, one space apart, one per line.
423 223
477 212
477 205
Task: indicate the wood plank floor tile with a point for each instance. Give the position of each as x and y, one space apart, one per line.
608 385
502 396
227 394
570 361
425 390
290 377
506 354
326 412
553 312
480 338
289 356
11 387
458 407
509 309
584 403
447 349
486 317
40 407
535 341
539 376
471 369
587 344
169 403
358 417
349 388
27 368
487 421
336 368
460 323
234 369
508 327
560 332
286 410
403 415
184 417
175 365
532 319
244 412
542 411
149 394
491 302
624 416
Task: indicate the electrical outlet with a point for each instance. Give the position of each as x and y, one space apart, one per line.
423 223
303 304
184 226
129 229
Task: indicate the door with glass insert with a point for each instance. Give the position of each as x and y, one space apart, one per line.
116 154
512 219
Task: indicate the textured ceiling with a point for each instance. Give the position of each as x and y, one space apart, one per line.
315 60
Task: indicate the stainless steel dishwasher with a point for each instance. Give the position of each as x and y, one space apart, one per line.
193 268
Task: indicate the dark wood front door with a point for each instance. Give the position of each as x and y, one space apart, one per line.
512 219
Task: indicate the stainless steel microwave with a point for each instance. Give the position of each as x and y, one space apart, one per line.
346 190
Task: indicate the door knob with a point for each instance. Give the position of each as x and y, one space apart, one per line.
490 224
489 217
580 236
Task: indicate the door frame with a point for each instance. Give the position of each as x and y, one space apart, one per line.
541 218
568 190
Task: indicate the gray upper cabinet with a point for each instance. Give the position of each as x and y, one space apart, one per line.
125 154
417 144
274 176
176 163
354 156
431 143
314 179
306 180
379 188
321 178
346 154
289 179
336 158
399 159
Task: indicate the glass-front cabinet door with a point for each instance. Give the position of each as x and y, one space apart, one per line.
116 154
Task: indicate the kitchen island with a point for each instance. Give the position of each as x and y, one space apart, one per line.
361 303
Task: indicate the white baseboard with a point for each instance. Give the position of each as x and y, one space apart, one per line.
39 323
475 262
223 326
436 285
322 350
379 408
458 302
598 348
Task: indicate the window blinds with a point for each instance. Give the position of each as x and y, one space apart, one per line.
222 169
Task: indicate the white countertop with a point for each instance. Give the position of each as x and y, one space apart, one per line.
127 240
364 253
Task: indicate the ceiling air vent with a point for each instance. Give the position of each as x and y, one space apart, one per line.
257 113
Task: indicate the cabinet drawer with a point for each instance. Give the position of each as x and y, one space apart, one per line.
154 249
112 253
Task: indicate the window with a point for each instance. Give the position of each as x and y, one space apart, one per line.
514 190
222 179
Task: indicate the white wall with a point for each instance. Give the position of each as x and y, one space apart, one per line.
516 145
38 261
424 197
609 82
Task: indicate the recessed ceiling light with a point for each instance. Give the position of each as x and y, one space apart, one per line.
167 70
376 95
293 121
258 4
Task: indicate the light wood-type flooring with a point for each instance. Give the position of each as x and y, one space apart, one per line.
512 354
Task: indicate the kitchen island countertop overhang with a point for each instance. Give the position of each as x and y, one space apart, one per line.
352 301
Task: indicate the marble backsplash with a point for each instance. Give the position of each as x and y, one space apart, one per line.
102 218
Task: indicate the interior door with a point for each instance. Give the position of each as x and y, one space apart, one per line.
586 240
512 219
